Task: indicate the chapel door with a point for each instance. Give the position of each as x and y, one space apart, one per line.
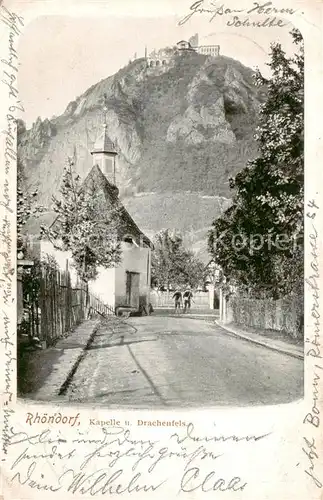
132 289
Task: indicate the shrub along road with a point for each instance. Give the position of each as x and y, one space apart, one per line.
161 362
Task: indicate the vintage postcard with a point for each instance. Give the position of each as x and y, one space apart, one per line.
161 249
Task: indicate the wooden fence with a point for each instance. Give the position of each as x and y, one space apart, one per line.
53 307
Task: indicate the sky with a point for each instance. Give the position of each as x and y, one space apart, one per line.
61 57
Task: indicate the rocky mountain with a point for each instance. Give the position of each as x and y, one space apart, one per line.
181 130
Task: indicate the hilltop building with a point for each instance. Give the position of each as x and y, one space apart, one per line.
194 40
208 50
184 45
162 57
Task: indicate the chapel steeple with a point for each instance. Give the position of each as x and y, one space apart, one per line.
104 152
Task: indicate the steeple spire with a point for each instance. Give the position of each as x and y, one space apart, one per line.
103 143
104 152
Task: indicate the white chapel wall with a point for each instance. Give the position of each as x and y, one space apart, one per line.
47 248
102 287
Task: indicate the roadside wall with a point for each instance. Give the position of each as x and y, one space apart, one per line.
285 315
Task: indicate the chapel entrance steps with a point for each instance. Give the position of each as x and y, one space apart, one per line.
113 320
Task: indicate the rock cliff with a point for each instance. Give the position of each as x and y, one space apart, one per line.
182 128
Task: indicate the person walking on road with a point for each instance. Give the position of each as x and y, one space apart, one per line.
188 296
178 301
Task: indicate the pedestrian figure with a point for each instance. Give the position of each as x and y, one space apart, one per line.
187 299
178 301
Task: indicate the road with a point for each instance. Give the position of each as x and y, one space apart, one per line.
162 362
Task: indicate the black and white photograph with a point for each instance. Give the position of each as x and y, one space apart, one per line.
160 212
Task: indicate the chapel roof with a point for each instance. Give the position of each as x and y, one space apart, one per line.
97 181
103 143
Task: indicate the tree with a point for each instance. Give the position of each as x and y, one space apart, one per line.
172 264
85 226
259 239
195 271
